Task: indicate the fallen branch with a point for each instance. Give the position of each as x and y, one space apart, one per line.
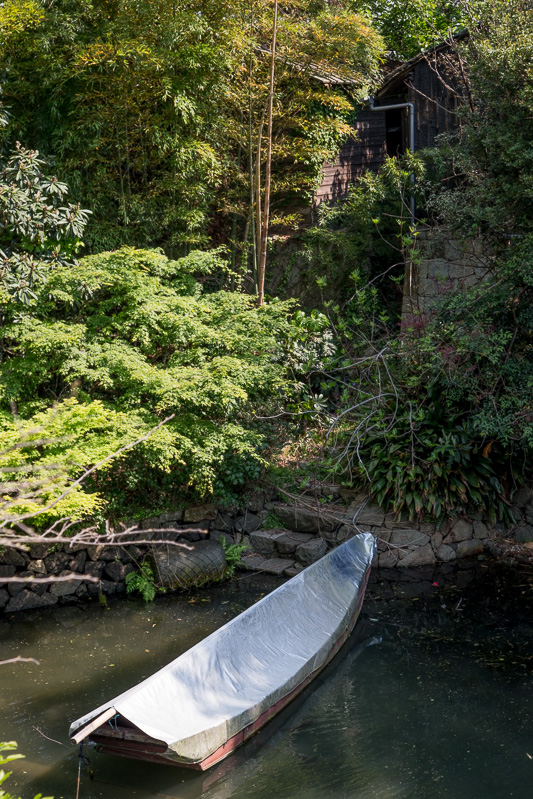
88 578
123 539
20 659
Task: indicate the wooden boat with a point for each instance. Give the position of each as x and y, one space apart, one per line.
200 707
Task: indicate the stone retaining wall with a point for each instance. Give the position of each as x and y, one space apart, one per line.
446 264
282 539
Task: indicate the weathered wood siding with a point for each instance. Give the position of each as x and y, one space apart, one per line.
367 151
431 84
435 104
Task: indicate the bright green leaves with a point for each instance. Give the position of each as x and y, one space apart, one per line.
141 342
17 16
142 581
152 109
42 455
10 746
410 27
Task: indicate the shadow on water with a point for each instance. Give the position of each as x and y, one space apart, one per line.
289 727
441 708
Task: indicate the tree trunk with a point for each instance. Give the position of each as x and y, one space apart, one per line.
268 172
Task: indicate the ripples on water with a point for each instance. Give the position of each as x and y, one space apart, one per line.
440 708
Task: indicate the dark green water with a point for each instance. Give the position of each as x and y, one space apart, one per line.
440 708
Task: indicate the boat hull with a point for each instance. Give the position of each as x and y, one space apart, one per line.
151 751
210 700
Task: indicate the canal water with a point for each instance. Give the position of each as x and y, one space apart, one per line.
432 697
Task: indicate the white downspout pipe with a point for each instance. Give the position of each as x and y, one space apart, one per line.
411 107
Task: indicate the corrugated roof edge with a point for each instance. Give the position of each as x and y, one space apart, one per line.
403 69
315 70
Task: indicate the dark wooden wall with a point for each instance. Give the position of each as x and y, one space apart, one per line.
356 155
435 110
435 105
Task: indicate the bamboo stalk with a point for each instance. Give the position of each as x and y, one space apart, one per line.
245 249
257 201
251 177
268 171
95 723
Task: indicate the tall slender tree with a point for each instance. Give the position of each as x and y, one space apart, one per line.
268 175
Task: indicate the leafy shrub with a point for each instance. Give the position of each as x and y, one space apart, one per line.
10 746
233 555
142 581
124 339
40 456
420 469
436 418
485 169
366 236
478 349
39 230
272 521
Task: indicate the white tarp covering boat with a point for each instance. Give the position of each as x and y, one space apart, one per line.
202 705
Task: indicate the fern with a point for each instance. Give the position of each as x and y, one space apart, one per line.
233 555
143 582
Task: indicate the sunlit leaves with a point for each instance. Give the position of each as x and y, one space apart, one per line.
126 338
39 230
413 26
151 108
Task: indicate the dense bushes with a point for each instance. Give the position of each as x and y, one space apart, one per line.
435 417
39 229
155 111
435 413
484 170
127 338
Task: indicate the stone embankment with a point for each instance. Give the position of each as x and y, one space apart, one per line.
281 538
444 263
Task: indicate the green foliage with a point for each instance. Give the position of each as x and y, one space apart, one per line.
419 466
484 171
142 581
366 236
474 348
438 420
10 746
151 108
233 555
125 339
41 455
272 521
38 229
402 430
410 27
478 349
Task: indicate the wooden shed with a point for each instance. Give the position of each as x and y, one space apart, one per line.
431 81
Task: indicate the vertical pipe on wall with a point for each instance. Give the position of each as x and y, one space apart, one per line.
411 107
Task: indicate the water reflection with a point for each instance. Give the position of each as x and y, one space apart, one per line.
424 714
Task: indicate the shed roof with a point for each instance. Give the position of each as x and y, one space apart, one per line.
399 73
315 70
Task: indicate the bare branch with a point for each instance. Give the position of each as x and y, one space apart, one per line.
84 476
20 659
88 578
